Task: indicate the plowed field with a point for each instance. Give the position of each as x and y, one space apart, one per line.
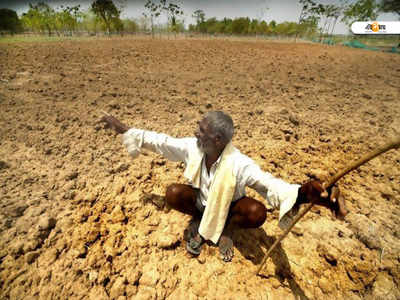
81 220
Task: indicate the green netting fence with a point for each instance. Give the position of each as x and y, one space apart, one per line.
359 45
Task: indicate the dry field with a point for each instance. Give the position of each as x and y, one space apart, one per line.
81 220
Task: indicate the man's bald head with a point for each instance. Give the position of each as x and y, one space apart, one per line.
221 124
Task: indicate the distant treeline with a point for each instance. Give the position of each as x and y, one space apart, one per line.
104 16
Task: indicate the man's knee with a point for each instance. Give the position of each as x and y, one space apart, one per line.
173 193
257 215
249 213
180 194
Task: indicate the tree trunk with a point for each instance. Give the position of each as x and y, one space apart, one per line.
333 27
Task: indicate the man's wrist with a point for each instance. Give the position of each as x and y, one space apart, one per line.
301 197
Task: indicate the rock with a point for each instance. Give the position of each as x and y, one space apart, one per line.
122 167
17 248
284 111
365 230
17 210
133 276
3 253
72 175
294 120
150 276
329 253
131 291
384 288
108 247
118 288
202 258
117 215
98 293
46 223
325 285
274 282
3 165
167 241
80 251
31 245
31 256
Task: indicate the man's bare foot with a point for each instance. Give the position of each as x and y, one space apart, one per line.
225 246
194 244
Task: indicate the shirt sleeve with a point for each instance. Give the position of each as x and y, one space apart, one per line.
175 149
277 192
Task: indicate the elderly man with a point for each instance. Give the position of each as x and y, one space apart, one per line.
217 175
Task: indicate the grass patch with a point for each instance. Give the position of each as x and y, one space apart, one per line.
10 39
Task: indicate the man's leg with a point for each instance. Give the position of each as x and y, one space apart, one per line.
244 213
248 213
182 197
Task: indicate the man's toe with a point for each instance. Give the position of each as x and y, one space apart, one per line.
226 248
227 257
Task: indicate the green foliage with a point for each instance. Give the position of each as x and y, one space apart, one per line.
361 10
155 8
90 22
67 19
200 17
246 26
130 26
108 13
9 21
39 18
240 26
42 18
392 6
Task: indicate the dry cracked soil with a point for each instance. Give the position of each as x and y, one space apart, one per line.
81 220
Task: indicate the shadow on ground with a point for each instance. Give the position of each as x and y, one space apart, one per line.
250 243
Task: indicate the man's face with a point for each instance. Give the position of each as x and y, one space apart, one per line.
205 138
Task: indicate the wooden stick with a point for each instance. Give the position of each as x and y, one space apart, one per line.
394 144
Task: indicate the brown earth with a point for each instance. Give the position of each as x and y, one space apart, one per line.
81 220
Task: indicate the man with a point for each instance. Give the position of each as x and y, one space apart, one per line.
217 174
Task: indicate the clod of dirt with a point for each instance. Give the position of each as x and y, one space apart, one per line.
31 256
46 223
3 165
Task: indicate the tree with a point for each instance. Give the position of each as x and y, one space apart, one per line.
154 11
130 26
361 10
240 25
392 6
200 18
173 11
272 26
107 12
40 17
331 13
9 21
308 12
67 19
155 8
90 22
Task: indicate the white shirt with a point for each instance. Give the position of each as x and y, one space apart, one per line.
277 192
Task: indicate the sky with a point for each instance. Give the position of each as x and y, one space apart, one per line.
268 10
